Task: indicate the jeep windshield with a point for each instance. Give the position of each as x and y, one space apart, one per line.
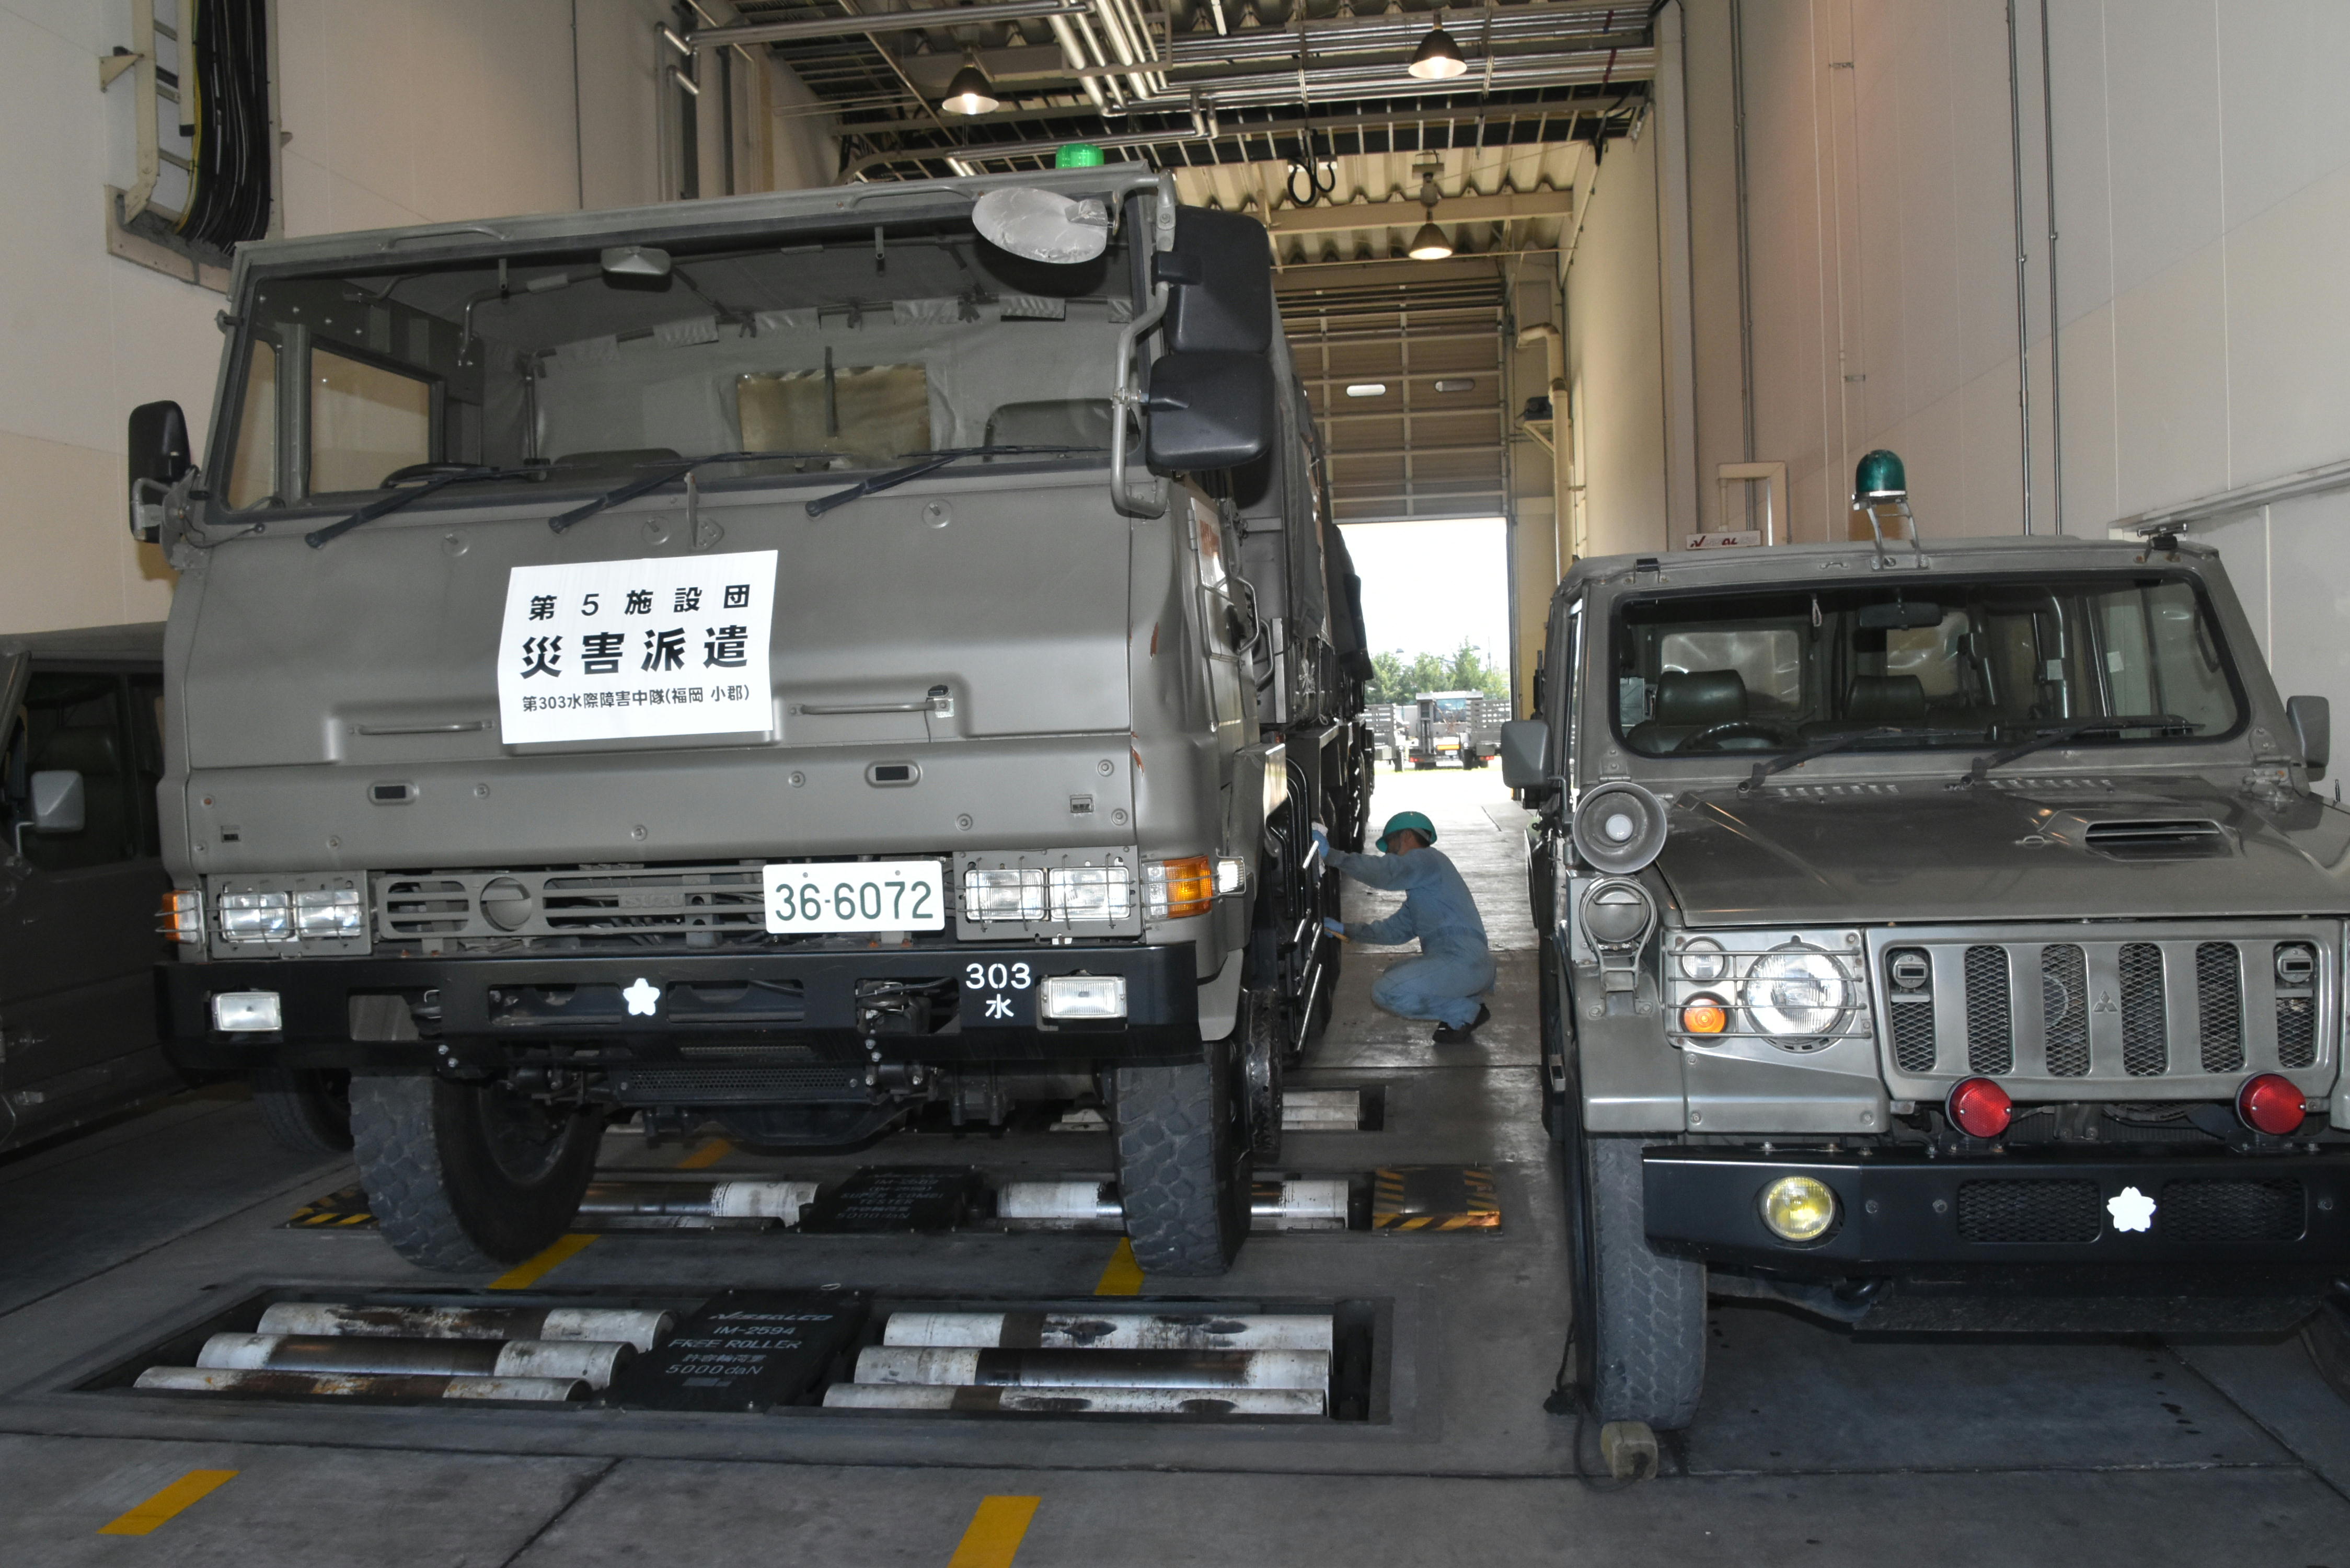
846 355
1924 664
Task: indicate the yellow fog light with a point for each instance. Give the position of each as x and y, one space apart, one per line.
1799 1207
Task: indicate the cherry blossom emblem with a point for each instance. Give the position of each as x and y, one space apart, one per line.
642 997
2131 1210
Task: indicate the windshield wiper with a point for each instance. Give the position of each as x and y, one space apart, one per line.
2061 733
436 477
1834 743
670 470
929 462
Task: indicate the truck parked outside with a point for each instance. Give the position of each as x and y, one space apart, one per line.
1936 937
793 663
1464 728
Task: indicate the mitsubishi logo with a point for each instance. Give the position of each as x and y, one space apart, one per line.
643 997
2106 1004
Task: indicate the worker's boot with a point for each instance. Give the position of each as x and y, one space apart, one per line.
1448 1036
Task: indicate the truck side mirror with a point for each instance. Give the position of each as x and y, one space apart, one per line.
159 459
2312 726
1209 410
1219 282
60 804
1525 743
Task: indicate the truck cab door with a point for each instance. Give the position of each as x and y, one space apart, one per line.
77 908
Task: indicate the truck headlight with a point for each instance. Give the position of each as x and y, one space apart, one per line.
1096 894
256 918
1004 894
1067 997
1799 1207
247 1013
1232 876
328 912
1796 989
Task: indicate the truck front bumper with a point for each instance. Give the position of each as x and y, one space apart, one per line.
982 1006
2260 1217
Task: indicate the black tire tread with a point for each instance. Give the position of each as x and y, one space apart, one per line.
398 1123
1650 1309
298 1112
1178 1216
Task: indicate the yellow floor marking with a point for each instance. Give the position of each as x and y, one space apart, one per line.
708 1155
995 1533
168 1504
525 1274
1123 1277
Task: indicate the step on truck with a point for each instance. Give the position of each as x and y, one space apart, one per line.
795 665
1938 936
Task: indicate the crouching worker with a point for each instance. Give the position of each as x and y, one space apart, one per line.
1455 967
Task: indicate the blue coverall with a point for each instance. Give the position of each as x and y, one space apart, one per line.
1454 967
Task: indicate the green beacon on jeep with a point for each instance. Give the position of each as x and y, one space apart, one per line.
1938 936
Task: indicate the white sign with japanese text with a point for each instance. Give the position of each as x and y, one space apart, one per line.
601 650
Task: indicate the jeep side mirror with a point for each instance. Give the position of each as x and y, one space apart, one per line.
1525 743
60 804
1207 411
2312 726
159 459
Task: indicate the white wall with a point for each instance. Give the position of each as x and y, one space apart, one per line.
1615 362
400 111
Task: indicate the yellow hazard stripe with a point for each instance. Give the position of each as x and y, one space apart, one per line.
173 1499
1121 1277
996 1529
525 1274
708 1155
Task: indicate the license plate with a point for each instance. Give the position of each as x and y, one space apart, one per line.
855 896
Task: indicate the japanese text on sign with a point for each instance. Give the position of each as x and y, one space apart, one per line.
616 649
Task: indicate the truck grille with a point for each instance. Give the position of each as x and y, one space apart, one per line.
2026 1213
2044 1009
714 899
2230 1209
2192 1211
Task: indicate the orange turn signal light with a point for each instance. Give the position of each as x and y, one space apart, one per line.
1704 1017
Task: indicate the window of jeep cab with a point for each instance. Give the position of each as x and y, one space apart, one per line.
1922 664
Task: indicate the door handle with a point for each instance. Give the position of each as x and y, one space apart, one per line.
937 704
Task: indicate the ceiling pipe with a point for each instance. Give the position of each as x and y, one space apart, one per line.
887 22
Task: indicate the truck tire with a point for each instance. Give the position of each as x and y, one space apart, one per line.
466 1176
1648 1311
307 1111
1183 1167
1265 1026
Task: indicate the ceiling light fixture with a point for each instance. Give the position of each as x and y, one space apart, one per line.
1437 58
971 92
1429 243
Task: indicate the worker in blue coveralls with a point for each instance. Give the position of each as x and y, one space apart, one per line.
1454 967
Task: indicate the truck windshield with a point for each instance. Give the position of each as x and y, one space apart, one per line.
1958 661
937 341
1452 710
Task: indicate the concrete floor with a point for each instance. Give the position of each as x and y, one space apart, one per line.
1811 1449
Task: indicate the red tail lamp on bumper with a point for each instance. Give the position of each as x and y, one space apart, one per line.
1980 1108
2269 1103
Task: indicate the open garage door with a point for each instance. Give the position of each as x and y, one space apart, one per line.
1406 384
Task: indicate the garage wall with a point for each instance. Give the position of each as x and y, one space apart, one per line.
1615 362
401 111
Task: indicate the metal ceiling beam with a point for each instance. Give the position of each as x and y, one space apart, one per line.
886 22
1406 212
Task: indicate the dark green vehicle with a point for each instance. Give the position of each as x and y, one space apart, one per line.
1937 937
795 663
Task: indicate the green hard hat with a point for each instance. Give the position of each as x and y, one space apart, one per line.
1403 821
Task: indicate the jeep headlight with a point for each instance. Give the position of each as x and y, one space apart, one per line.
1795 989
328 912
256 918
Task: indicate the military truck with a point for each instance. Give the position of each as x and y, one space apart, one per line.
1937 936
792 663
1462 727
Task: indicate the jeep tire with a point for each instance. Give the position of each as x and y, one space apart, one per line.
1647 1327
1183 1165
466 1177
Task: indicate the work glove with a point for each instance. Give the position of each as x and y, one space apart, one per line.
1321 841
1336 927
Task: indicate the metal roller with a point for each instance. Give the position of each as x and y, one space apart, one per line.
1314 1205
1321 1110
376 1385
1082 1200
1096 1369
644 1329
593 1361
729 1199
1076 1401
1106 1331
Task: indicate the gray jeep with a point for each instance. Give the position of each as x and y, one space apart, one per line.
1937 937
798 663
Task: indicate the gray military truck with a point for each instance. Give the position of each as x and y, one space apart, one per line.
795 662
1936 937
